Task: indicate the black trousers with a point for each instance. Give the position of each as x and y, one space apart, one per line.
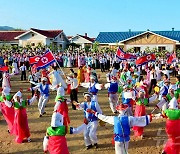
102 67
73 97
153 84
23 75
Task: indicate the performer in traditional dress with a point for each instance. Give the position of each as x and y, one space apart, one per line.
122 125
140 110
20 126
74 85
6 80
55 140
44 95
7 107
112 93
90 136
172 115
80 75
15 68
93 87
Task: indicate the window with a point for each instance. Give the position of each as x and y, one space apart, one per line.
32 34
161 48
137 49
33 44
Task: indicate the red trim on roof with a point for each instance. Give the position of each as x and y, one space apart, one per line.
48 33
87 38
10 35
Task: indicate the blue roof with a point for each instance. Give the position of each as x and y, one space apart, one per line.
114 37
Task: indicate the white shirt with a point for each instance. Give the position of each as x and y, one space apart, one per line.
153 75
23 68
73 82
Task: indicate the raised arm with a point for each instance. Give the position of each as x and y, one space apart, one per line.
140 121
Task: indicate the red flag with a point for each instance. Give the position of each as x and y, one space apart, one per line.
46 60
124 56
4 68
145 59
171 58
34 60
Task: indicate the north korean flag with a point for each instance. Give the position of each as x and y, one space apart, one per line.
34 59
46 60
4 68
124 56
171 58
145 59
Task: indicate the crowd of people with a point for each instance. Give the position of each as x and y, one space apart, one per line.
130 90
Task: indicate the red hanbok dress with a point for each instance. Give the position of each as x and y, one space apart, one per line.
7 112
20 126
172 145
140 110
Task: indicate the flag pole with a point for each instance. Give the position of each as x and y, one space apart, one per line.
58 64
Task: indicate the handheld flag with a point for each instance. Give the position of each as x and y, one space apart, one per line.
124 56
4 68
46 60
34 59
171 58
145 59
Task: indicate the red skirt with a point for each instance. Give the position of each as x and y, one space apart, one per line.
140 110
57 145
20 126
172 146
8 114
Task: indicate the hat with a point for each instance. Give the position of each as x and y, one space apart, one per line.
173 104
92 77
121 107
56 120
87 94
44 79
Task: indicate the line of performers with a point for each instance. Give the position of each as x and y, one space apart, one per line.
130 112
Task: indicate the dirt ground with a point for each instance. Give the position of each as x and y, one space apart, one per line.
152 144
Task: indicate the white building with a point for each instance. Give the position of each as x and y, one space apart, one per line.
46 37
82 40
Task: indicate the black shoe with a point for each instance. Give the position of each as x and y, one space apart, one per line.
40 115
44 113
8 131
89 147
96 145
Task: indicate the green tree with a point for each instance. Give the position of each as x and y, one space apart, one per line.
95 46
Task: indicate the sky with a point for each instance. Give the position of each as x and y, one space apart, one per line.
91 16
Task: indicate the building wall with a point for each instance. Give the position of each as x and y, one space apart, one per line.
169 47
150 40
81 41
29 39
